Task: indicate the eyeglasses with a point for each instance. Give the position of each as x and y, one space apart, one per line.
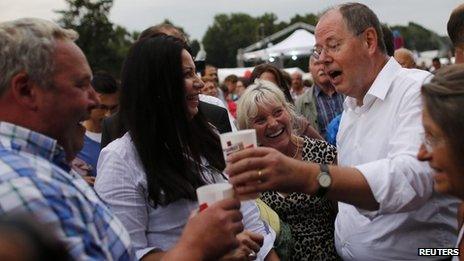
332 47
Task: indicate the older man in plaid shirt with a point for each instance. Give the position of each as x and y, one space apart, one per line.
45 93
321 103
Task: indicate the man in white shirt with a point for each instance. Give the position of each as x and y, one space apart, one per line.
387 208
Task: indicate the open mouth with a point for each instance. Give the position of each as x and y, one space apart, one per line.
275 134
436 170
335 74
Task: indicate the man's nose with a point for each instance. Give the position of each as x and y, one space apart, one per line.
324 57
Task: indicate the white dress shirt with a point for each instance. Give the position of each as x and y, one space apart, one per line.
122 184
381 139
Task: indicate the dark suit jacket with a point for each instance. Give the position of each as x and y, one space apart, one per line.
218 116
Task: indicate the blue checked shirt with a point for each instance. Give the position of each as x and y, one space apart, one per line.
34 179
328 107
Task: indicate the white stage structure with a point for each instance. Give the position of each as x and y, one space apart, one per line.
299 43
265 42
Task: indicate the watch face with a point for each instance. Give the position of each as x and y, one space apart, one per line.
325 180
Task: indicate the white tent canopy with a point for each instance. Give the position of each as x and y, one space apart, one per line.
299 42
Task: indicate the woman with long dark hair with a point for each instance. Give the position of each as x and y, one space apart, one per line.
149 176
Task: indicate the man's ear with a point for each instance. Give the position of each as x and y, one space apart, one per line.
24 90
370 38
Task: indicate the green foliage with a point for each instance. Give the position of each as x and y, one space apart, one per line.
419 38
104 44
226 35
307 18
230 32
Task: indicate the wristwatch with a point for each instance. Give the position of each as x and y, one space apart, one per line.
324 179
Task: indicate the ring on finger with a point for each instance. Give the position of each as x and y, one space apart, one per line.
252 254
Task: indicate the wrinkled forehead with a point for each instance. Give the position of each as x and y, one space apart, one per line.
331 25
263 104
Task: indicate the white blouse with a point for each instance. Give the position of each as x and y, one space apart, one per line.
122 184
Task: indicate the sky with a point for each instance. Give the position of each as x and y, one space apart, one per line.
196 15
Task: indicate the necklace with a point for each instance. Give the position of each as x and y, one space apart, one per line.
297 148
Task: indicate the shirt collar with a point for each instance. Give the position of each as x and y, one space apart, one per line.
22 139
317 89
380 86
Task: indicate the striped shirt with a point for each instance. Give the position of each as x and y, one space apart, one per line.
328 107
34 179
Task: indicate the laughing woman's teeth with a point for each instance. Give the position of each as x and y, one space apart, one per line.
273 135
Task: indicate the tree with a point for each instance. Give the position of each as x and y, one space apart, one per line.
195 47
104 44
307 18
237 30
226 35
419 38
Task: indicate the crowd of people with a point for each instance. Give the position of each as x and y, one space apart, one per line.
365 163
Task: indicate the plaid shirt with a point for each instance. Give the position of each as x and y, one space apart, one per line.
328 107
34 179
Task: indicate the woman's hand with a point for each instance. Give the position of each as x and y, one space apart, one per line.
209 234
249 246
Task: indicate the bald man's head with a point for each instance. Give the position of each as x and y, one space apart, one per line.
405 57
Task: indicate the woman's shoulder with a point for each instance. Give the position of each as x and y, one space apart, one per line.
121 146
119 161
318 151
120 152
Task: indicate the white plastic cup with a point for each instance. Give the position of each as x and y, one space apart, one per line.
236 141
211 193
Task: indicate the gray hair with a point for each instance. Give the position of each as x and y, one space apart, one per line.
359 17
27 45
443 98
261 92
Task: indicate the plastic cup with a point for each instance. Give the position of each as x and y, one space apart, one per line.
236 141
211 193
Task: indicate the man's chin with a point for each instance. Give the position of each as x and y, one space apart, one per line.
74 142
